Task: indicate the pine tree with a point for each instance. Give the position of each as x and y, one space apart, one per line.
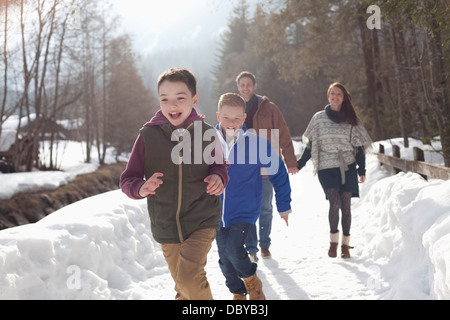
234 58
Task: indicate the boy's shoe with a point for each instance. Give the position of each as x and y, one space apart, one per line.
254 288
179 296
265 253
239 296
253 257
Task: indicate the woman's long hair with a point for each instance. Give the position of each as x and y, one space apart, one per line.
347 112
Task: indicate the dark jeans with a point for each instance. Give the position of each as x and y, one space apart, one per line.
233 258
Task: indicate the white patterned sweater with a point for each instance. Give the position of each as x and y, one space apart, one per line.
333 144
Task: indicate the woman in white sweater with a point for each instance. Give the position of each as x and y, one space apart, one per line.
336 141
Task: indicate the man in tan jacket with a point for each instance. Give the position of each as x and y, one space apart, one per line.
266 119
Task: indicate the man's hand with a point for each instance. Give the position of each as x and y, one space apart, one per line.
215 185
150 186
362 179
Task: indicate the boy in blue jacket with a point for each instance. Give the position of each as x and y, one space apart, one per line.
247 154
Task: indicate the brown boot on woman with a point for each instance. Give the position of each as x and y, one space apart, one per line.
345 253
332 251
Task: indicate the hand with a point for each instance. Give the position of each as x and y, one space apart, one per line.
149 187
215 185
293 170
362 179
286 218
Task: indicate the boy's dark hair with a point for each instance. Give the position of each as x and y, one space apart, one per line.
179 75
245 74
232 100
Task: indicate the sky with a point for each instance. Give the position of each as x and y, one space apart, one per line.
172 23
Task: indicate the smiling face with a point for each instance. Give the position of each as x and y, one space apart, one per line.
176 101
246 88
336 98
231 119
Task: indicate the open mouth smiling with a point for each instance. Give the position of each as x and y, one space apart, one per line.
230 131
175 115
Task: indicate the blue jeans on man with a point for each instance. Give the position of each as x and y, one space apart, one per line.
233 258
265 221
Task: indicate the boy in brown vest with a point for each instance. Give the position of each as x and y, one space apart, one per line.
182 189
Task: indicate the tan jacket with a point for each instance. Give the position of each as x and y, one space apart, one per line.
268 116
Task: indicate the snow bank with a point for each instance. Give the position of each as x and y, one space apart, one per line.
412 217
407 232
32 181
98 248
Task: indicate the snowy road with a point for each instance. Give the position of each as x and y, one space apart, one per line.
300 267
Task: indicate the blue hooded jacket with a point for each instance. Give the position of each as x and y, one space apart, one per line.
247 155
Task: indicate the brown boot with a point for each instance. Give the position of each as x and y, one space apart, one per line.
345 253
332 251
254 288
265 253
239 296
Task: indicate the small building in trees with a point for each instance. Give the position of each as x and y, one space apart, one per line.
19 141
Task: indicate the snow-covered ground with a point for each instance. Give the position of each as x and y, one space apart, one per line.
102 247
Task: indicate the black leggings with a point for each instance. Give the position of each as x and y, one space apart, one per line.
339 200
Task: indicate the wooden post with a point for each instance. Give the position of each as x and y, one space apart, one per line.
419 155
381 151
396 154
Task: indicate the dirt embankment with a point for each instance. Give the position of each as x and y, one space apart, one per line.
31 207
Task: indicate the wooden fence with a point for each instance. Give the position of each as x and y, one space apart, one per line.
418 165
